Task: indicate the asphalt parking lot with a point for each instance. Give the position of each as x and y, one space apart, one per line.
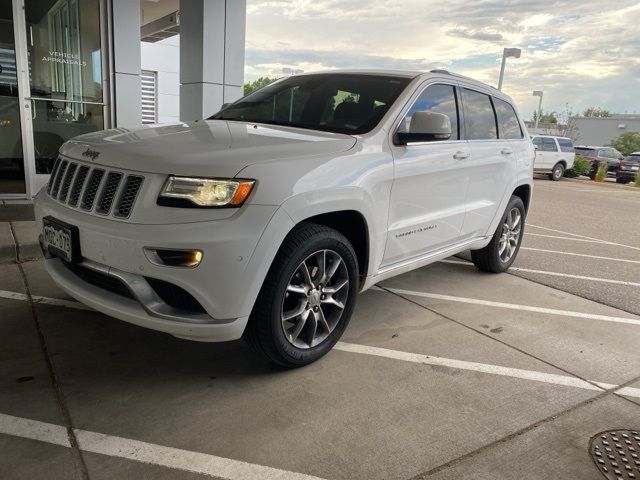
444 372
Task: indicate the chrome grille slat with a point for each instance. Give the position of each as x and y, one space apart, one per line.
128 196
108 193
77 185
60 174
54 172
92 189
64 188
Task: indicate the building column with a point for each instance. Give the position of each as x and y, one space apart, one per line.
212 36
125 58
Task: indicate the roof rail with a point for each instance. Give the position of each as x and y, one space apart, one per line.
441 70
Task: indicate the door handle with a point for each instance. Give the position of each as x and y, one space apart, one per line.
506 151
461 155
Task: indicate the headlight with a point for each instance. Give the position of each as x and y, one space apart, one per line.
205 192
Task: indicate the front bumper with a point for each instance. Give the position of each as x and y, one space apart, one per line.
237 253
144 311
627 174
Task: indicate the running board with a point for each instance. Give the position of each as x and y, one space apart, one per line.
431 256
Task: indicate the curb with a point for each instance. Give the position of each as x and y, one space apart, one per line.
19 242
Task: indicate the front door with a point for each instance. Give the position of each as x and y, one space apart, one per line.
56 64
65 75
430 184
12 166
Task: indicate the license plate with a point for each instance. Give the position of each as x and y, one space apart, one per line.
61 239
635 169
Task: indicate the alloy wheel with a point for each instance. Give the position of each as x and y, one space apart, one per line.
557 172
510 237
315 299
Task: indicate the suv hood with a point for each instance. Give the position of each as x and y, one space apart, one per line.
203 148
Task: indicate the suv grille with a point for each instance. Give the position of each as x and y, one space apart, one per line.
95 189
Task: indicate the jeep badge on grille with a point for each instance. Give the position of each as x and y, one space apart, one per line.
92 154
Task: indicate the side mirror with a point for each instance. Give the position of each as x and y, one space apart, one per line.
426 127
535 146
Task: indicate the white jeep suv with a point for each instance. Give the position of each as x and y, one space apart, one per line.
554 155
266 220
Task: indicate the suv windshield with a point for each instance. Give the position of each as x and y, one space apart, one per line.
342 103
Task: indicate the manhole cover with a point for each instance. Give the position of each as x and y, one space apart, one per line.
616 453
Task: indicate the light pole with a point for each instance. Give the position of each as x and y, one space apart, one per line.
538 93
507 53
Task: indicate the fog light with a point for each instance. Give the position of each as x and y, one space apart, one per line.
174 258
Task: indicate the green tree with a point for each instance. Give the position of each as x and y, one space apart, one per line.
548 117
627 142
596 112
251 87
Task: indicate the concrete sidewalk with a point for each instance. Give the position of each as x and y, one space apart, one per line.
18 232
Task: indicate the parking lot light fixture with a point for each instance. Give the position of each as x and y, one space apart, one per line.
507 53
538 93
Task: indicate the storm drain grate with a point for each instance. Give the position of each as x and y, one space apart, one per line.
616 453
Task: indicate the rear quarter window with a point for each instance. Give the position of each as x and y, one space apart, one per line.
566 145
508 124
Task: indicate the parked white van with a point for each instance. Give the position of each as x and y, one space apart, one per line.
266 220
554 155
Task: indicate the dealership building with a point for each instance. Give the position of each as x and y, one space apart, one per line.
69 67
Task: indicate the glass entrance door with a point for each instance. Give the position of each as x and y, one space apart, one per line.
12 168
65 75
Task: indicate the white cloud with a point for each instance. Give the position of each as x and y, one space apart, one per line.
579 53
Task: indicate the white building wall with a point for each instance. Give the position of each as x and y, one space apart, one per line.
163 57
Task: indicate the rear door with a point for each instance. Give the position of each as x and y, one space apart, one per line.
490 168
430 182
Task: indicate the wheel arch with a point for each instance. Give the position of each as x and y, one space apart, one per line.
524 193
353 225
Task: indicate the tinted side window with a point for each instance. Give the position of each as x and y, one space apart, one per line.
439 99
549 145
566 145
479 117
507 120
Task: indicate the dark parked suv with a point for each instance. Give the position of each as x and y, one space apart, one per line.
629 168
601 154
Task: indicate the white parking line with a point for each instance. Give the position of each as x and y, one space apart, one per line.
578 277
44 300
606 242
554 274
34 430
610 259
513 306
144 452
533 375
530 234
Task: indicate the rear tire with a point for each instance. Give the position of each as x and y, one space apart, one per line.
291 287
506 240
557 172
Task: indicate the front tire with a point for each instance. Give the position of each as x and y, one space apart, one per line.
557 172
501 252
307 298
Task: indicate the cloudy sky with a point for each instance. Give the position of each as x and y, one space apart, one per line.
584 53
